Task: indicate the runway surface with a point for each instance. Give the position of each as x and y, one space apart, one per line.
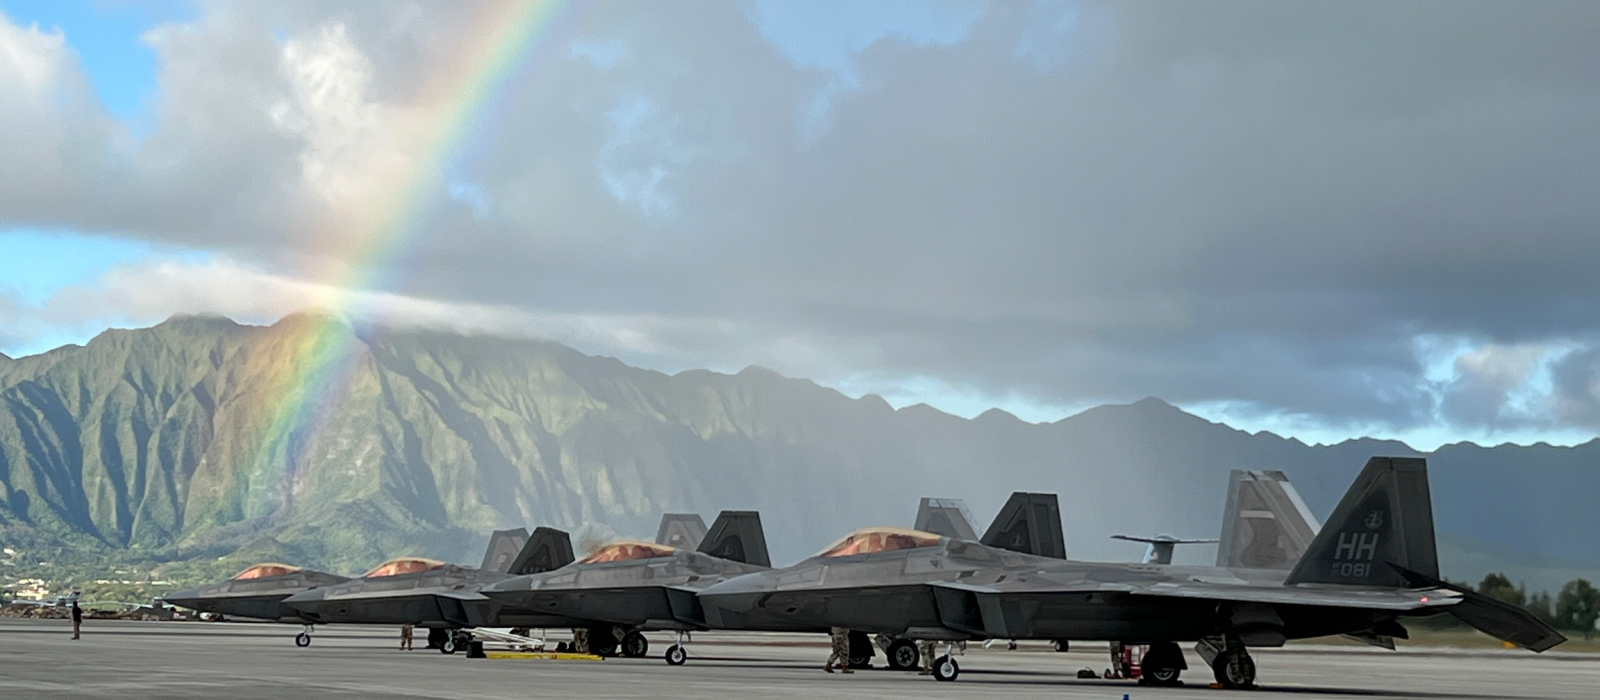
125 660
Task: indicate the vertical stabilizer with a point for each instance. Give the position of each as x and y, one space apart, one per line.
681 530
1265 525
1384 521
947 517
736 535
547 549
1029 523
503 548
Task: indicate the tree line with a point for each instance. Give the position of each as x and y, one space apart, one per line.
1574 609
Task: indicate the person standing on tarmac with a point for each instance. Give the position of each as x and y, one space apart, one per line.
77 619
841 650
405 637
926 647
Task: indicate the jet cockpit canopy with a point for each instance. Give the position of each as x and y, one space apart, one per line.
628 550
870 540
403 565
265 570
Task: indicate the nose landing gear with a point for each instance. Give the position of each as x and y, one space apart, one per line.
1230 662
676 654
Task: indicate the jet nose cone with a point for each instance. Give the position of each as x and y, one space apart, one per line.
748 583
186 598
510 585
729 604
307 602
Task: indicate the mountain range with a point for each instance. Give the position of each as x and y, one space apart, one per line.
158 443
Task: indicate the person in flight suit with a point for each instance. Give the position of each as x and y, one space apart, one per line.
841 651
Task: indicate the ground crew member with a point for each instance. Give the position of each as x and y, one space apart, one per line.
841 650
580 641
926 646
77 618
405 637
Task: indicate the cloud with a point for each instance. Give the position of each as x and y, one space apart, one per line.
1257 205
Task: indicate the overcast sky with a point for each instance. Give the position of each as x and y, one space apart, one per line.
1323 219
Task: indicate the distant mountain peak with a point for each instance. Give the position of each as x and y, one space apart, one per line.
998 414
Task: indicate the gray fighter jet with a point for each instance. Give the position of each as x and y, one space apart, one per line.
256 592
433 594
1373 566
627 587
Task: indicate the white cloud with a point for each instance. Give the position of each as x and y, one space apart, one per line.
1222 203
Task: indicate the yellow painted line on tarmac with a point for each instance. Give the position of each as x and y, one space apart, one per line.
540 655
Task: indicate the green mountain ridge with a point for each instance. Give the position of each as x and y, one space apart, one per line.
159 445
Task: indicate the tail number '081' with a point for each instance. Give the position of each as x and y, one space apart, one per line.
1351 569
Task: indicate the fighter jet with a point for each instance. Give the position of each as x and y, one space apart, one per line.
1373 566
867 570
257 592
629 586
433 594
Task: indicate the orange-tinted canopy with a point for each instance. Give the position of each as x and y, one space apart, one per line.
628 550
880 539
403 565
265 571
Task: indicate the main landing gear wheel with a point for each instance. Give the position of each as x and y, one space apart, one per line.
1162 664
1234 669
860 650
602 643
302 640
635 646
945 668
676 655
903 655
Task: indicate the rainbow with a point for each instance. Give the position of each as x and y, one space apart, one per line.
316 368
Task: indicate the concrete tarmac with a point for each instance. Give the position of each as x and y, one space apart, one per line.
124 660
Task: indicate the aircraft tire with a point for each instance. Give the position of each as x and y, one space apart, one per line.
302 640
634 646
602 643
1162 665
448 646
1061 645
902 655
861 650
945 669
676 655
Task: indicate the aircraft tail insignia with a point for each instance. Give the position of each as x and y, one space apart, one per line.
1384 521
1029 523
736 535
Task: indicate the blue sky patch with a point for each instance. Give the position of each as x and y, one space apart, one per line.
120 67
